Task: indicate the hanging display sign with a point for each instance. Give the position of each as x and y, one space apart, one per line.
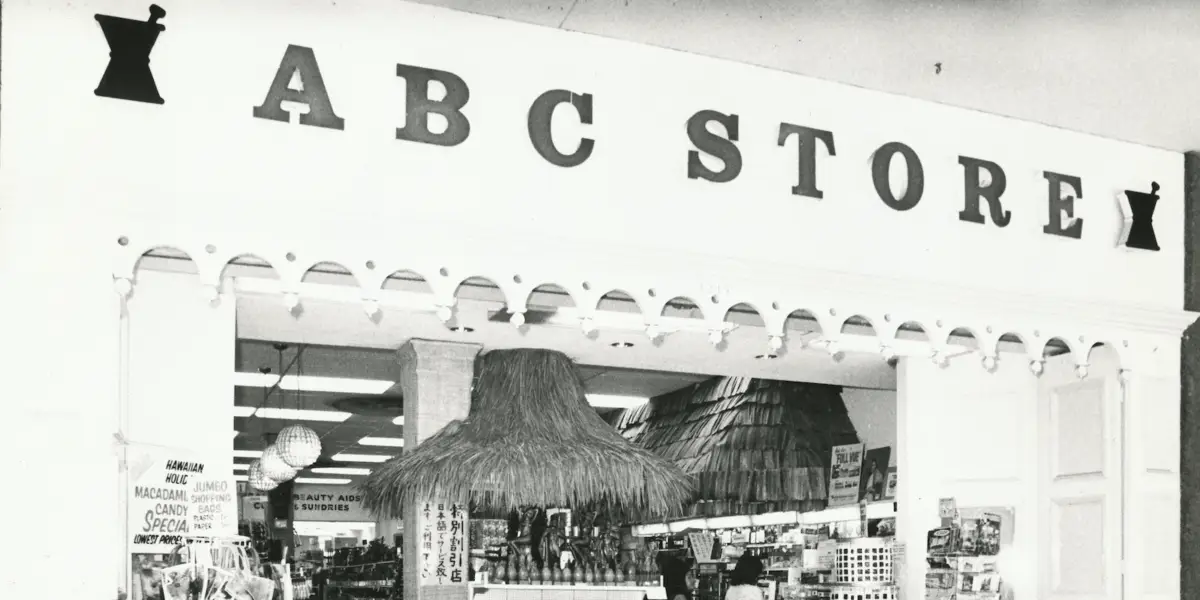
844 474
175 495
442 546
331 503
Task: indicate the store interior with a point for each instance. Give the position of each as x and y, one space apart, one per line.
799 453
339 376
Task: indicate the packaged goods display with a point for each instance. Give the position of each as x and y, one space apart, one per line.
374 571
962 556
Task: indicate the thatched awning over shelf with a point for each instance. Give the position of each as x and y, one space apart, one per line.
753 445
531 439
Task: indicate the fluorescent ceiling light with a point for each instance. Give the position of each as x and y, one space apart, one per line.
341 471
398 420
241 478
240 467
610 401
367 458
243 411
247 453
313 383
322 480
296 414
382 441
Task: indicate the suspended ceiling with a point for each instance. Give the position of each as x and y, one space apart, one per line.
379 364
1124 71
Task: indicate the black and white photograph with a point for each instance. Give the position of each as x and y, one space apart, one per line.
600 299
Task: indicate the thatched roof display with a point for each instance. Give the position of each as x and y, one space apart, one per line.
531 438
753 445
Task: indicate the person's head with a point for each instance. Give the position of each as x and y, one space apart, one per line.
674 574
746 571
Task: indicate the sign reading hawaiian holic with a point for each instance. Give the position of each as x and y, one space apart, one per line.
175 495
984 182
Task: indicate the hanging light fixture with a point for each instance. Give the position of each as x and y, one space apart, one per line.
299 446
273 465
258 480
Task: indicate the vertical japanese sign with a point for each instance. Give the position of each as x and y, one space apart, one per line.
443 547
844 474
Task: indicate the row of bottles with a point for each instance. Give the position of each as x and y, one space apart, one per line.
519 572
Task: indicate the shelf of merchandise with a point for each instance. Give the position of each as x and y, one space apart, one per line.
523 591
852 512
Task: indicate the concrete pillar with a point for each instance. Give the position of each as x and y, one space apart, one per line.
435 378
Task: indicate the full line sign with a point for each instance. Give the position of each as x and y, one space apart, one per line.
984 182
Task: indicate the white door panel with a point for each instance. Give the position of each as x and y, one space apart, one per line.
1080 428
968 434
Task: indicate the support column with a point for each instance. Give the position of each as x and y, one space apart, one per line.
1189 402
435 378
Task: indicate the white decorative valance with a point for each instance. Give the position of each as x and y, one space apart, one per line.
853 312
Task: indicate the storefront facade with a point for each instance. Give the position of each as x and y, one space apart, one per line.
308 136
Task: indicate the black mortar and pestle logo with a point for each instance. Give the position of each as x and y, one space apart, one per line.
128 76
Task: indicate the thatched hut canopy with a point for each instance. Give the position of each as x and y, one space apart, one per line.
531 438
753 445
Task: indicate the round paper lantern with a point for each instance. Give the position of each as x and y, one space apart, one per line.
259 481
273 467
299 446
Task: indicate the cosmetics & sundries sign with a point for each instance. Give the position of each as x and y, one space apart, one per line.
332 503
175 495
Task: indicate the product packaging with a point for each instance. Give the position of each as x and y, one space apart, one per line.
943 541
939 584
969 536
989 535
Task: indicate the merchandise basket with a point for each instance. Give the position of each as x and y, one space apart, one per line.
864 561
864 593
